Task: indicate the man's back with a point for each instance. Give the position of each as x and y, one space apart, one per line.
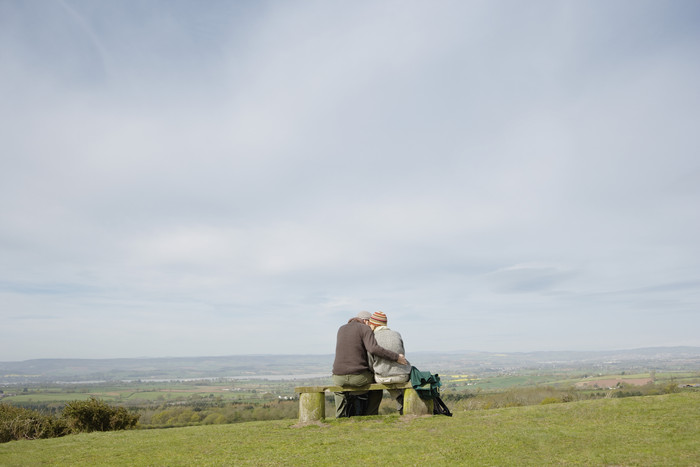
354 341
350 353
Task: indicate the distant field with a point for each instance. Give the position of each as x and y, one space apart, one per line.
561 379
138 392
49 397
654 430
612 382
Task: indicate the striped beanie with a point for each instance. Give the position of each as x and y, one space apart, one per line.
378 319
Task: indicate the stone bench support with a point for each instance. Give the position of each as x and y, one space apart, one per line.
312 400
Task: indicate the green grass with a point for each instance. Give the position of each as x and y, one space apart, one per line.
653 430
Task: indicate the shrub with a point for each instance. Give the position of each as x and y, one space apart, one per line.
19 423
96 415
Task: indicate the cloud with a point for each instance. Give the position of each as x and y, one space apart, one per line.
214 175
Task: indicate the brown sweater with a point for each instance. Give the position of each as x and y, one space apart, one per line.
354 341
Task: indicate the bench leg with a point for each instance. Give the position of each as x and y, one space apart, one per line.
312 407
414 405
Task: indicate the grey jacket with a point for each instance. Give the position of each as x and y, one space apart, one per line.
390 340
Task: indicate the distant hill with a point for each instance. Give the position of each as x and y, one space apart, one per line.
81 370
288 366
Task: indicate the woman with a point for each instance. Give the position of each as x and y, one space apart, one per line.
388 371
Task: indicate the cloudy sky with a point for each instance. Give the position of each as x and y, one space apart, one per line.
184 178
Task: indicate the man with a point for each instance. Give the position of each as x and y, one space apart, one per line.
388 371
351 366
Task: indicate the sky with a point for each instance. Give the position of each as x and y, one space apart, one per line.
184 178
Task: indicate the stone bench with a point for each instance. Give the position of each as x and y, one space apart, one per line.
312 400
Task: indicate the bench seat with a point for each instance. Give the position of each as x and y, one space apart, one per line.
312 403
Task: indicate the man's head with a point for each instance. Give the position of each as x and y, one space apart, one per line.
363 315
377 319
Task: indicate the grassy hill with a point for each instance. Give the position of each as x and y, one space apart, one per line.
653 430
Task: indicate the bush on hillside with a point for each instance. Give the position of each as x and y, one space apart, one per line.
19 423
96 415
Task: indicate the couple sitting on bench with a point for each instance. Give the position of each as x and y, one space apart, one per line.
367 351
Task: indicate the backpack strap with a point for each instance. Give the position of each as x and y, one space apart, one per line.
440 408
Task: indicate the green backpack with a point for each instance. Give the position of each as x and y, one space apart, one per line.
420 381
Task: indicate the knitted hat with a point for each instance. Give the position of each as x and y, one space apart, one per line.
364 315
378 319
